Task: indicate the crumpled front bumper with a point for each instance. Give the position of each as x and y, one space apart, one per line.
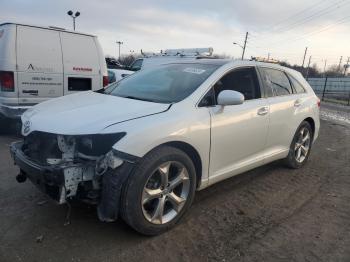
49 179
60 181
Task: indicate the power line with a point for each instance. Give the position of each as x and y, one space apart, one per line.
303 11
294 15
327 10
317 14
340 21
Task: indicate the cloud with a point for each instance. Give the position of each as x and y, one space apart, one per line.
275 26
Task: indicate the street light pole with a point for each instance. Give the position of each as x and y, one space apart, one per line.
244 46
119 43
70 13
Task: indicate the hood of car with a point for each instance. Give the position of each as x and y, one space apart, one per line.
85 113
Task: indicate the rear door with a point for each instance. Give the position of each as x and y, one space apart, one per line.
39 60
285 106
8 64
81 63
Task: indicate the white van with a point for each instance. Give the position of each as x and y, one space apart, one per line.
38 63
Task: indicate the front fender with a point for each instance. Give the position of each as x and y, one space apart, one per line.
144 134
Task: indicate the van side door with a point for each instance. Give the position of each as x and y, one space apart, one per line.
39 64
80 62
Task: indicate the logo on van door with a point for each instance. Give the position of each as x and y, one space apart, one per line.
82 69
38 68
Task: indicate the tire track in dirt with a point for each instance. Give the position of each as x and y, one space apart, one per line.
268 214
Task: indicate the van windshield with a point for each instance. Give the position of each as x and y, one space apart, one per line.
166 84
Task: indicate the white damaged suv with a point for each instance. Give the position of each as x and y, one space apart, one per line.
142 147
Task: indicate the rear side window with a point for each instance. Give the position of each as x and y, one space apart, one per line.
277 81
79 84
297 86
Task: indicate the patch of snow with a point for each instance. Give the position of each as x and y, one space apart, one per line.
337 116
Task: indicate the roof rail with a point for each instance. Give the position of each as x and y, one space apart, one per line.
188 52
58 28
265 60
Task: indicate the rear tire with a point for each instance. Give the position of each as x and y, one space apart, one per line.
159 191
300 147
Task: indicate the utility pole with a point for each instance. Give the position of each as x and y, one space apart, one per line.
245 45
308 67
340 60
304 57
346 66
324 68
119 43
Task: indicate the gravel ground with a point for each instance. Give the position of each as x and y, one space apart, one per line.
269 214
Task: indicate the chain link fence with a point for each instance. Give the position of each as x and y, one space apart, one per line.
334 90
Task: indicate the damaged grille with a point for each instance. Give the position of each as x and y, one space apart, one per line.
40 146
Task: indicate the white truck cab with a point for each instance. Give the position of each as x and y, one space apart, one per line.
39 63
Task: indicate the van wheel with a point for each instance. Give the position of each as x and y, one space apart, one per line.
300 147
159 192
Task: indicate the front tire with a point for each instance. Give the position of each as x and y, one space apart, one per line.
300 147
159 191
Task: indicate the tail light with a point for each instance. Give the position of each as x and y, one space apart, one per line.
105 81
7 81
318 102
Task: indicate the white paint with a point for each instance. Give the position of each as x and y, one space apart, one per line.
233 139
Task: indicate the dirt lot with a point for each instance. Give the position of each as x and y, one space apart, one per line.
268 214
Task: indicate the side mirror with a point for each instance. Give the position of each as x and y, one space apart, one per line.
230 97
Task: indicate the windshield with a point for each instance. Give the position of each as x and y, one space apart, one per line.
165 84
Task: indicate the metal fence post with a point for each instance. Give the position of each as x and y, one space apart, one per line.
324 88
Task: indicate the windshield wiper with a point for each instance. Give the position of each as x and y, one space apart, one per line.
138 98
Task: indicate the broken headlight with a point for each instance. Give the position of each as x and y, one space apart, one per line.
99 144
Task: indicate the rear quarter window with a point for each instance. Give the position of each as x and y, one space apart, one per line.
296 85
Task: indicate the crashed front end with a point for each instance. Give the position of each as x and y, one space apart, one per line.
71 167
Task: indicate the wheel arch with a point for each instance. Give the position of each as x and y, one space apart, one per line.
192 154
311 121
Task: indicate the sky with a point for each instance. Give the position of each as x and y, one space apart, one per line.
280 28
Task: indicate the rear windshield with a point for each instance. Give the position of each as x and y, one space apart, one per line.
165 84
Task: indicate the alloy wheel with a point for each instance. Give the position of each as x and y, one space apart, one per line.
302 145
165 192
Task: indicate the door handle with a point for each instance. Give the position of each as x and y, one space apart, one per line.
263 111
297 103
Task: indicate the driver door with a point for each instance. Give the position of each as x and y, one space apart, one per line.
238 132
